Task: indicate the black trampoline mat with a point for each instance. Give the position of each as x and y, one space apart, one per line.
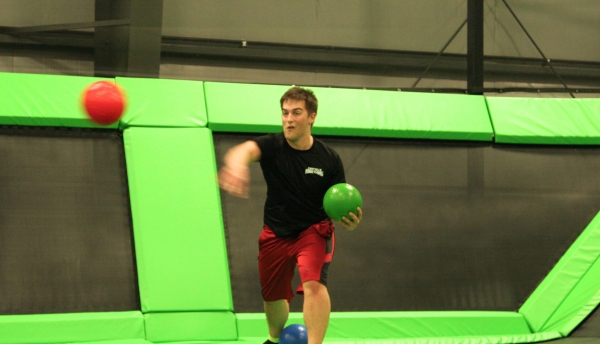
65 229
447 226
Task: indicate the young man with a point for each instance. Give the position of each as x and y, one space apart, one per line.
298 169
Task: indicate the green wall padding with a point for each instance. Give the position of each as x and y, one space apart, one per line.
163 103
508 339
580 303
71 328
122 341
563 279
190 326
44 100
381 325
177 220
255 108
251 108
545 120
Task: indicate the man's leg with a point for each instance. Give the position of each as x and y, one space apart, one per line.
276 270
317 307
277 314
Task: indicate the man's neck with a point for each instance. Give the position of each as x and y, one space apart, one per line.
302 144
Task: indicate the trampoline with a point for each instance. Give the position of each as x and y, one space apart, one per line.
472 234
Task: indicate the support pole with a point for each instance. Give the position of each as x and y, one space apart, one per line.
132 50
475 47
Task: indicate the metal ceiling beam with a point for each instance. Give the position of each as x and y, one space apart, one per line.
270 56
60 27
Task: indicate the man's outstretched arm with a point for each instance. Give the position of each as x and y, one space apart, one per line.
234 176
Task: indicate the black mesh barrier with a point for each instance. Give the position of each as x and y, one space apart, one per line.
65 225
448 225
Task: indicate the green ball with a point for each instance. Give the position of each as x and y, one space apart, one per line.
340 200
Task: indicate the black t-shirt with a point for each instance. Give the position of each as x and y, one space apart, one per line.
296 183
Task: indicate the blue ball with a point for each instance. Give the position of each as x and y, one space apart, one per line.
294 334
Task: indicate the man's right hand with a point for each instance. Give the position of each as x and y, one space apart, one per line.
234 176
235 180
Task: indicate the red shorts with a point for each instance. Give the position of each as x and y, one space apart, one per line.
312 252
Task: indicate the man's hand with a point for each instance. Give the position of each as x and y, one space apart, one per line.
351 222
235 180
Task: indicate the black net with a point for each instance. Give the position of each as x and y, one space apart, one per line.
65 225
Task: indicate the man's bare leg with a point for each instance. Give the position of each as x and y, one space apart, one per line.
317 307
277 315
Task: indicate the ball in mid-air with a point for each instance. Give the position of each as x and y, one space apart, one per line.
104 102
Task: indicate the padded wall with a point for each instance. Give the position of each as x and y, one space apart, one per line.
255 108
169 168
581 302
190 326
178 229
44 100
545 120
385 325
566 289
71 327
163 103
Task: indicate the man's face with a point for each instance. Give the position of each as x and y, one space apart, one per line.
296 120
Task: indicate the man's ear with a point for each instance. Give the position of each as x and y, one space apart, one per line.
312 117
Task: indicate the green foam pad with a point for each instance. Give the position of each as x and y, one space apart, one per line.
122 341
507 339
563 279
190 326
177 221
44 100
525 338
351 112
163 103
580 303
71 327
381 325
545 120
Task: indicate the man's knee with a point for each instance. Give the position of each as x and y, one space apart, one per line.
313 288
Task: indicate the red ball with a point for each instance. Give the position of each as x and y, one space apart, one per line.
104 102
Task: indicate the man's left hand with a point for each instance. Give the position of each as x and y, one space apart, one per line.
351 222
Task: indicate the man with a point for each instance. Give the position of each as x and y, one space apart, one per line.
298 169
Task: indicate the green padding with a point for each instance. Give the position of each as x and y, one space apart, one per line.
508 339
163 103
123 341
526 338
70 328
177 220
177 327
580 303
380 325
44 100
243 107
545 120
351 112
563 279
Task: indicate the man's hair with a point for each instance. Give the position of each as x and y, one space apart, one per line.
299 93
